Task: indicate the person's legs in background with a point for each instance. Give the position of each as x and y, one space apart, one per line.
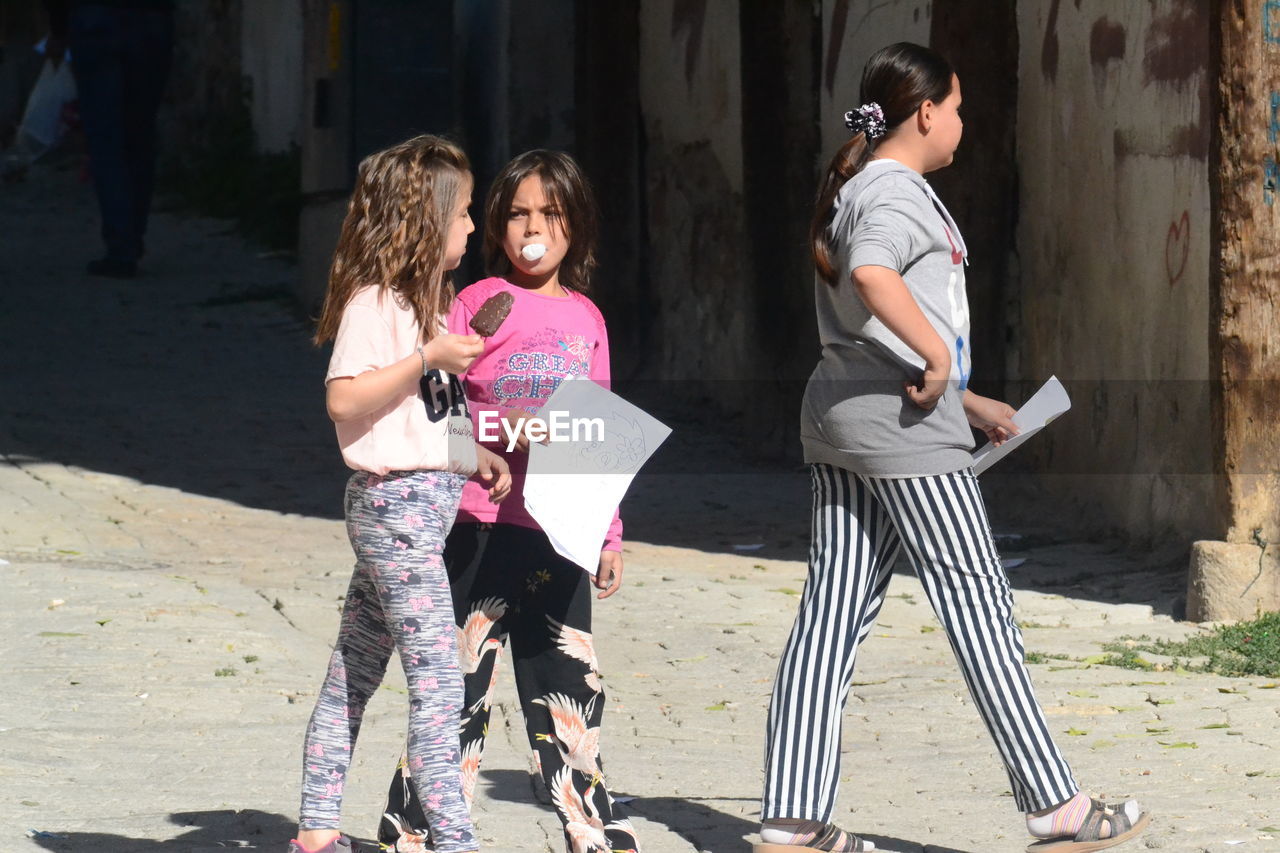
147 63
121 59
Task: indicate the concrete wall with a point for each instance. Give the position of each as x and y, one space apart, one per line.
205 87
271 62
980 39
852 30
731 159
1113 239
691 102
541 105
326 143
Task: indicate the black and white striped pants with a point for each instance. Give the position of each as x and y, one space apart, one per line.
859 525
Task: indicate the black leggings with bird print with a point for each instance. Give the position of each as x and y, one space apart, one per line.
510 586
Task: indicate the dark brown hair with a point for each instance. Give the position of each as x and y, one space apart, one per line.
899 78
569 190
395 232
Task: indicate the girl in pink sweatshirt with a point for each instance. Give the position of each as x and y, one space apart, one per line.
508 582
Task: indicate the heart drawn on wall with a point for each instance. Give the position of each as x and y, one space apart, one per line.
1176 246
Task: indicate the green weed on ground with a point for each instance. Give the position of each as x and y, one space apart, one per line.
1242 649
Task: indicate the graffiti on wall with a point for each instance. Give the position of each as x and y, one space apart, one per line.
1271 21
1177 245
688 18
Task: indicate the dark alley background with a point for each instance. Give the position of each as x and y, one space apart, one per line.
703 125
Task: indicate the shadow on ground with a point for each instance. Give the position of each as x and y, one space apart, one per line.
208 831
200 376
197 375
695 819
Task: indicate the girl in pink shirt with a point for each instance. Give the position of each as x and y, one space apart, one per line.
403 425
508 581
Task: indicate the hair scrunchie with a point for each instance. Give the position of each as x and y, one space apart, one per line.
867 119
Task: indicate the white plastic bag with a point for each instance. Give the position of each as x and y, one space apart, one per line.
42 125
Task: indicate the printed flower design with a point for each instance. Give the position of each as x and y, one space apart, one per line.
576 346
537 579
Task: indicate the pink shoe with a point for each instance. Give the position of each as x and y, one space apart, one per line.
341 844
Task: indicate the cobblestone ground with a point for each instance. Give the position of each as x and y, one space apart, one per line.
174 566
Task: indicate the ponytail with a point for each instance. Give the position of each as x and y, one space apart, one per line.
849 160
897 80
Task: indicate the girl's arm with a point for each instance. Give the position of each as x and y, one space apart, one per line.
494 472
609 573
348 397
991 416
888 299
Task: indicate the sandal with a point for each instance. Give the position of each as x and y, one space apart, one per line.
833 839
1089 838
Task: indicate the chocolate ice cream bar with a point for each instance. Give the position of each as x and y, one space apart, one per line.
491 314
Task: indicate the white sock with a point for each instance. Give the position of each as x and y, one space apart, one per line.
1067 819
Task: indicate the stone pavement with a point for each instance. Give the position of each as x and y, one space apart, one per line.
174 569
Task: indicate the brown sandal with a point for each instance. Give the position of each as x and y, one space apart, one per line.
1089 838
833 839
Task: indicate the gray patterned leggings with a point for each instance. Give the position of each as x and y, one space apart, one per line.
399 598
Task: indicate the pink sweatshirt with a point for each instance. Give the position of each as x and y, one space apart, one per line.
543 340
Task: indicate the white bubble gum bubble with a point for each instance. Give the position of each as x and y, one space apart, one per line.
533 251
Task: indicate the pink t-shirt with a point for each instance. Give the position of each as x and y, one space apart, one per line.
543 340
425 428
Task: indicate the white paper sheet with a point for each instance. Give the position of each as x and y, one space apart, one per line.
573 487
1036 414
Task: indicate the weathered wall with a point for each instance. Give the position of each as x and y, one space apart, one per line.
691 101
205 89
981 187
1113 238
325 142
852 30
781 145
271 63
608 144
1239 577
542 105
1245 273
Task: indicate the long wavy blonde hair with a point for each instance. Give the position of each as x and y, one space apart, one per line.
396 230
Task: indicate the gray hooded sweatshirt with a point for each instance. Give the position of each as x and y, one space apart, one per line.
856 414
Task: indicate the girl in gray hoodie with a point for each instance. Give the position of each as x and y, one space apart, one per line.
886 430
